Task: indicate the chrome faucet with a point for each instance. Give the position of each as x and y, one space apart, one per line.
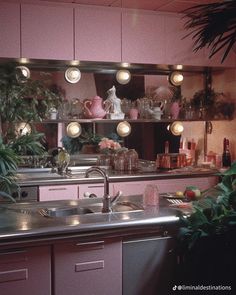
107 199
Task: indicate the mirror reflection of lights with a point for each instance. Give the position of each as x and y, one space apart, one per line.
24 60
72 75
176 78
74 221
73 203
22 74
176 128
123 129
23 128
75 62
24 225
179 67
125 216
125 64
73 129
123 77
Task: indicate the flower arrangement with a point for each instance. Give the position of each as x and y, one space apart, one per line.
107 145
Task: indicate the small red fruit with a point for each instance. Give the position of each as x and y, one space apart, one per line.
190 195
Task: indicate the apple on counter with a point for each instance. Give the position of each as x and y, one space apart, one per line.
192 193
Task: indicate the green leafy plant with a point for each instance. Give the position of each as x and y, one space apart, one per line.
214 214
213 25
28 144
28 101
8 167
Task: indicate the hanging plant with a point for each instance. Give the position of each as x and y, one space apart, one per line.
212 26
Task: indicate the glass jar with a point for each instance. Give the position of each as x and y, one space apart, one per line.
131 157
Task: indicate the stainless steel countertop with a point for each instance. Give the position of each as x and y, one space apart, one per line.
43 176
18 227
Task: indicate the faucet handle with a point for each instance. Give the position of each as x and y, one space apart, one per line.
116 197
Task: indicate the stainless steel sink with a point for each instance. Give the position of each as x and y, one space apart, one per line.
62 209
63 212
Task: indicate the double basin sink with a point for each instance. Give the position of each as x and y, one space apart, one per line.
54 209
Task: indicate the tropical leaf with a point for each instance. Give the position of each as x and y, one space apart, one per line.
212 26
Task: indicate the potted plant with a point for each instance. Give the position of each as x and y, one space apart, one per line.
208 235
28 101
8 167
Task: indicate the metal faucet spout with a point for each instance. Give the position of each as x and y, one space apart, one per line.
106 197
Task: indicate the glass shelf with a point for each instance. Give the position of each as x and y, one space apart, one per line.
128 120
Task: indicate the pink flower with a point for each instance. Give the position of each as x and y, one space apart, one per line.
106 143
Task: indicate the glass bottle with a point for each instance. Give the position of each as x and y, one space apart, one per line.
226 157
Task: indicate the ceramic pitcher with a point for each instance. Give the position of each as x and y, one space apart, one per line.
95 108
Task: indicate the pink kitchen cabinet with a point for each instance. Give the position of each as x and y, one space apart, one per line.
179 50
143 37
97 33
58 192
47 31
87 268
94 188
25 271
215 61
9 30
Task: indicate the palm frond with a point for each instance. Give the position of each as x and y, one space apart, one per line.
213 26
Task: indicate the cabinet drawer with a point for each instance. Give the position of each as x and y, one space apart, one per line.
58 192
86 189
25 271
91 267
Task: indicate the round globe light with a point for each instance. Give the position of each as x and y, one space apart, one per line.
123 77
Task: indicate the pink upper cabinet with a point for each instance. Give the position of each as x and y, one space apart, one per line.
179 50
215 60
9 30
97 33
47 31
142 37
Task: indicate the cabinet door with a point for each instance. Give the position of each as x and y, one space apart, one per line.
58 192
215 61
179 50
88 268
47 31
25 271
143 37
148 266
97 33
9 30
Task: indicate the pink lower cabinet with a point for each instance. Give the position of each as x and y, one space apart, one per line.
87 190
58 192
88 268
25 271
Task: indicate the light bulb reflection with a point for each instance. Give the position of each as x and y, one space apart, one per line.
123 77
123 129
176 128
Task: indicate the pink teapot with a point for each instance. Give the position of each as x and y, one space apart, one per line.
95 108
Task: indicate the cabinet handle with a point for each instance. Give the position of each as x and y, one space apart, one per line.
91 245
90 265
13 275
94 186
13 251
58 189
